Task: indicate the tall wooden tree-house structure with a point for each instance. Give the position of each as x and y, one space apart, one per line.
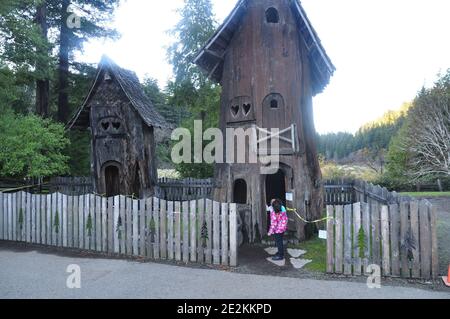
270 63
121 120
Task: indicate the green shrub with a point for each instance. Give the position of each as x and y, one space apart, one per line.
31 146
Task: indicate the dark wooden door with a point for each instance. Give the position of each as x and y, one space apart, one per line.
275 189
240 192
112 180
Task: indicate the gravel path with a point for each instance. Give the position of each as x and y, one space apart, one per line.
31 274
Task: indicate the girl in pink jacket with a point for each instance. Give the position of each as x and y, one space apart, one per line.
278 226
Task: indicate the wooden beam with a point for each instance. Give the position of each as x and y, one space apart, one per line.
210 74
216 55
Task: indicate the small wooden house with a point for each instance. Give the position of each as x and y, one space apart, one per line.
270 63
121 120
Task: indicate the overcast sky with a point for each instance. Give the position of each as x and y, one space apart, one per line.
384 50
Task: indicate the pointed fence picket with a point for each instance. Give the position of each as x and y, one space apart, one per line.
201 231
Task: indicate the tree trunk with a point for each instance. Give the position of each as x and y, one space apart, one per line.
63 65
439 183
42 84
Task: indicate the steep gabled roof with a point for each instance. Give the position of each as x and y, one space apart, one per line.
210 58
132 88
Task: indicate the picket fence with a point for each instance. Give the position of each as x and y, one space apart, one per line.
401 239
200 231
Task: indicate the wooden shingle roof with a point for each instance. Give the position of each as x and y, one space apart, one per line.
132 88
211 56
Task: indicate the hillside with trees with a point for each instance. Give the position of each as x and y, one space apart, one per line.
420 151
401 149
371 137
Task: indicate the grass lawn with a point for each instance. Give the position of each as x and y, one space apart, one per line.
316 250
427 194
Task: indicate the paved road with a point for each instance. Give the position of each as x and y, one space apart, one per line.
37 275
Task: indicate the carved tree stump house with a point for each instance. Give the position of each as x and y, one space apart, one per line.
121 120
270 63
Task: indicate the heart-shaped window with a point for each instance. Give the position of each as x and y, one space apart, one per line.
235 110
247 108
105 125
116 125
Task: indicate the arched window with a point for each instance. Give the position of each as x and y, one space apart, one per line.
240 192
273 101
272 15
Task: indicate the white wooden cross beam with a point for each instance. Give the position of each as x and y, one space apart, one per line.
271 135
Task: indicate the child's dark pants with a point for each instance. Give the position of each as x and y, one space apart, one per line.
279 243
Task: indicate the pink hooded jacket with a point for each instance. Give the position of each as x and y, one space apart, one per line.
278 222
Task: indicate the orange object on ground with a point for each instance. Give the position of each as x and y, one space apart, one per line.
447 279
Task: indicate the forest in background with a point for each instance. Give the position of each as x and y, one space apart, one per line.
402 149
42 84
373 137
363 154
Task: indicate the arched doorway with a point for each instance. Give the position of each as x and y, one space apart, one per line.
240 198
137 182
112 180
240 192
275 188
